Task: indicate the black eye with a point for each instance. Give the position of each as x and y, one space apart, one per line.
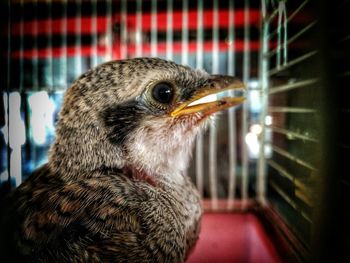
163 92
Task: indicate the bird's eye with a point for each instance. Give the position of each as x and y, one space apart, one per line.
163 92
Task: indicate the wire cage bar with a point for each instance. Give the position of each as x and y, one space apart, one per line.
199 64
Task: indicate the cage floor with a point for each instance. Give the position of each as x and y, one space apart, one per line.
235 238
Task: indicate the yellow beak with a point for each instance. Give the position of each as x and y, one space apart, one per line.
218 84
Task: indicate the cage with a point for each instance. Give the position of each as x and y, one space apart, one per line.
272 173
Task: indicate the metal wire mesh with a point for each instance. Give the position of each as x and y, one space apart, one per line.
291 98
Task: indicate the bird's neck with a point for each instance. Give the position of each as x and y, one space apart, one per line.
78 152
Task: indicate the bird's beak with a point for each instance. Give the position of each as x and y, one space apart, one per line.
199 101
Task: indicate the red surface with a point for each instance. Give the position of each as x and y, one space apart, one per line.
55 26
233 237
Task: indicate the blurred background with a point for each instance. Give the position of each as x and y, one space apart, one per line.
282 154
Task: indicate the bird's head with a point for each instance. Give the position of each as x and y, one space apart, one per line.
142 113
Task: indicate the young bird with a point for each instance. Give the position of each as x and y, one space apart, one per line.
113 189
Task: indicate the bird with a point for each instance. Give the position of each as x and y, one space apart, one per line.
114 187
